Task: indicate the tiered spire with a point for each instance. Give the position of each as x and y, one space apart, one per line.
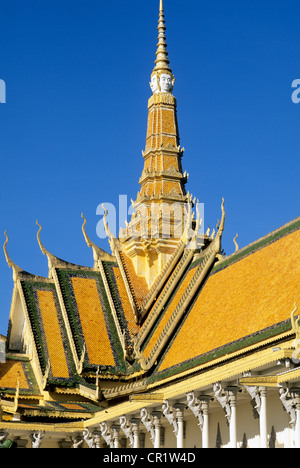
162 178
155 229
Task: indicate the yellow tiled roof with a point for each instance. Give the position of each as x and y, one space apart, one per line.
250 295
10 371
92 321
53 335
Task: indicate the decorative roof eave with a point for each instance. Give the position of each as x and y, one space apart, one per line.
125 389
227 367
209 256
163 175
11 407
68 427
283 335
82 390
171 149
188 380
53 414
174 259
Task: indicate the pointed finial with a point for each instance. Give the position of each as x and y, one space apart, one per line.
87 240
98 253
159 81
44 251
235 242
53 261
10 263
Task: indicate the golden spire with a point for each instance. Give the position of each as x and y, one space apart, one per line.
162 63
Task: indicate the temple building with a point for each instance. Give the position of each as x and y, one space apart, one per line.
164 342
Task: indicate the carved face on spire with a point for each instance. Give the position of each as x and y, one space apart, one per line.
154 84
162 83
165 83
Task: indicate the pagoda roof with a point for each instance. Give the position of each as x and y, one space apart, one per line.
103 323
82 319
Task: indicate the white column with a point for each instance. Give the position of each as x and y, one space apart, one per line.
156 422
179 408
263 418
295 392
204 400
232 391
97 439
115 429
135 429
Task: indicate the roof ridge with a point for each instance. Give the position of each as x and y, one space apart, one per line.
259 243
162 278
208 256
164 296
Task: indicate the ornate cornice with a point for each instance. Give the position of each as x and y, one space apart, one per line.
162 98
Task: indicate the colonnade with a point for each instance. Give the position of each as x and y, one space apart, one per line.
174 413
152 421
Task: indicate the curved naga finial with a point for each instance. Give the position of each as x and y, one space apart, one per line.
188 220
89 242
97 252
44 251
113 241
52 260
217 240
199 219
10 263
235 242
87 239
190 235
222 224
107 230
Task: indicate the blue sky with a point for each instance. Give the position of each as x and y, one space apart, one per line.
74 123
